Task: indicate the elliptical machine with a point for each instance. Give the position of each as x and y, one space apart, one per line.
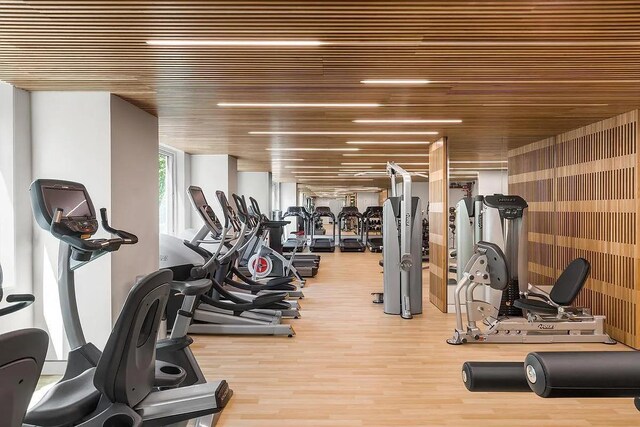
219 311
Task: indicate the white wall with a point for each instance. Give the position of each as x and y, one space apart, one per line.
335 204
493 182
366 199
15 210
288 197
134 195
258 186
213 173
419 189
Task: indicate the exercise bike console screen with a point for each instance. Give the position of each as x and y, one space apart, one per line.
73 202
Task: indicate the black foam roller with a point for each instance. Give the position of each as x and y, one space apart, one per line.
495 376
584 374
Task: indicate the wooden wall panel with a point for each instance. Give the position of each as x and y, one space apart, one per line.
531 175
582 187
438 223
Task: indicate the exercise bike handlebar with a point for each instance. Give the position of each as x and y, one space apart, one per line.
61 231
127 238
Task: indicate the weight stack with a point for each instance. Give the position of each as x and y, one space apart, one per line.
509 295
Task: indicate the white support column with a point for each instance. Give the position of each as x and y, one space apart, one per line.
111 147
258 186
134 195
15 210
288 197
213 173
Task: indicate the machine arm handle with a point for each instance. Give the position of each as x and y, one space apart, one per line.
18 302
127 238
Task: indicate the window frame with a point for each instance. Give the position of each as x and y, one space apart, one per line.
171 188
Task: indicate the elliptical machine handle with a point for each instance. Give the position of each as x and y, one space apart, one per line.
127 238
18 301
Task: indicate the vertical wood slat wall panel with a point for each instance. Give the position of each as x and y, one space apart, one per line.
582 188
438 223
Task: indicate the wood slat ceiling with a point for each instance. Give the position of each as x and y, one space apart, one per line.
513 71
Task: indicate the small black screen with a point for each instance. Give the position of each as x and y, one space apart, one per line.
72 202
200 202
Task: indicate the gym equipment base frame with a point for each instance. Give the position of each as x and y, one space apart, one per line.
487 267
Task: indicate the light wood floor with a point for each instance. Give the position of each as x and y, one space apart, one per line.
352 365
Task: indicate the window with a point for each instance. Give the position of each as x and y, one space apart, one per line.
275 198
166 195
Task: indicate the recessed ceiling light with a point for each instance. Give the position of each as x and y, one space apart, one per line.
389 142
479 169
313 132
386 155
408 121
396 81
310 167
298 104
378 164
280 43
312 149
466 161
311 172
541 105
334 179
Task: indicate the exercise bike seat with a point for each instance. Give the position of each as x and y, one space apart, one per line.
66 403
191 287
564 291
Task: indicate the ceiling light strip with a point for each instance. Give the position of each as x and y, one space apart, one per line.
314 132
299 104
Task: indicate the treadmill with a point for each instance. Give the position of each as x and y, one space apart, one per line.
373 242
296 243
351 243
323 244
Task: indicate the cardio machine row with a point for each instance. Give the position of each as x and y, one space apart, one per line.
310 232
140 378
236 303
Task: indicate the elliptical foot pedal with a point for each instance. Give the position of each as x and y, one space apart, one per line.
378 297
